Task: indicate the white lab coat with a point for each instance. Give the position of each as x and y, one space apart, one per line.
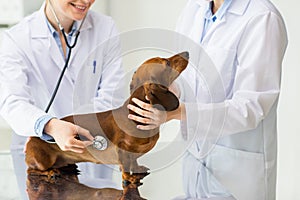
233 111
31 63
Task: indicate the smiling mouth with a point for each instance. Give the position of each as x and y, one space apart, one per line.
82 8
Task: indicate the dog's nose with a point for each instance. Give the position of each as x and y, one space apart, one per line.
185 55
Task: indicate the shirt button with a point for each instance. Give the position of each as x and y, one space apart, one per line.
214 18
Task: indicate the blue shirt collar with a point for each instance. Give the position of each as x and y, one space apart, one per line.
219 14
54 32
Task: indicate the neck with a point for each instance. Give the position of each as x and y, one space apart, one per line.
65 22
216 5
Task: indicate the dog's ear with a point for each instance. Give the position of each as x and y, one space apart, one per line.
160 97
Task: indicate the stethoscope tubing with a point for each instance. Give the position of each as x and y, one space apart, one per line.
70 47
60 79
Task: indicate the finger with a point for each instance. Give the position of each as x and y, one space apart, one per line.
70 147
87 143
147 127
75 143
85 133
140 119
76 150
139 111
142 104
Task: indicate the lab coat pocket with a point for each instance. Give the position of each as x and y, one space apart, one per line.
240 172
87 84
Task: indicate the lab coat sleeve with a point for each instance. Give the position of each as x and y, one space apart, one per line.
256 83
16 103
110 92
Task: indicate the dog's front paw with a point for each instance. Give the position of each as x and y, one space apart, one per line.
48 176
130 193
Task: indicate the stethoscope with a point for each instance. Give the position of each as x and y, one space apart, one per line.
70 47
99 142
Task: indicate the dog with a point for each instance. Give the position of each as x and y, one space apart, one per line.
65 186
126 143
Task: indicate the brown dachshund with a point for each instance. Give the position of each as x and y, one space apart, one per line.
125 142
62 184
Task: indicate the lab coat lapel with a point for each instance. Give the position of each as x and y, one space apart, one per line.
198 23
57 57
55 53
40 32
237 7
212 29
40 37
85 26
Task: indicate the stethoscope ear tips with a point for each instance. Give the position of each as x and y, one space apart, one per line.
100 143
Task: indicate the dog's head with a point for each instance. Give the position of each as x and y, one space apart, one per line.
153 78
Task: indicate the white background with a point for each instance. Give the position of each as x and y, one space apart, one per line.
132 14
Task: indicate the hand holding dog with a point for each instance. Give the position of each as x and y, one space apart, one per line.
153 117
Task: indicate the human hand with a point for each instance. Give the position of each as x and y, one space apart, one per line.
152 117
65 134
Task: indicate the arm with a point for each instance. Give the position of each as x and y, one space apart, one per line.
16 101
17 104
256 86
105 98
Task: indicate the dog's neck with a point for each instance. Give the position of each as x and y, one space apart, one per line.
121 116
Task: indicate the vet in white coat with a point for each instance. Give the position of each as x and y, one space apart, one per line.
235 106
31 63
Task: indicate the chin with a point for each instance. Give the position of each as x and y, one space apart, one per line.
78 17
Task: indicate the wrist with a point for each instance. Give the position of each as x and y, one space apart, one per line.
178 114
50 126
41 123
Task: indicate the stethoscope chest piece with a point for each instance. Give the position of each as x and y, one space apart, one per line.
100 143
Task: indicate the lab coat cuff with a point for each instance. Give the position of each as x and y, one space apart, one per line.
40 125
